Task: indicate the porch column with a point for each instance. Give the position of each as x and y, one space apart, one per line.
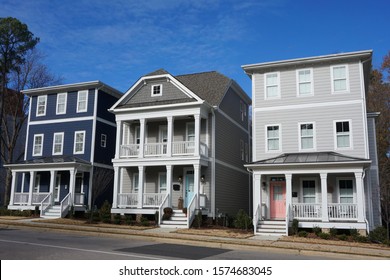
170 135
196 183
119 129
53 175
72 184
141 175
360 196
324 197
257 196
169 184
142 138
115 188
32 184
288 194
197 134
13 187
90 188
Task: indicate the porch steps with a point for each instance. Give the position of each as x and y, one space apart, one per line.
53 212
271 227
178 220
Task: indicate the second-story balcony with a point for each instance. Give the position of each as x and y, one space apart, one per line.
181 148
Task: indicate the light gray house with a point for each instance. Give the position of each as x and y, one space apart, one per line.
182 142
314 146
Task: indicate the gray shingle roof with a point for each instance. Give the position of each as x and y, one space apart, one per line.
54 160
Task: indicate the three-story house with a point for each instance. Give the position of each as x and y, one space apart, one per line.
314 147
70 134
182 142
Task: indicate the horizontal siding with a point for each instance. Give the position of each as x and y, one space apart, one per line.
322 87
323 118
231 105
105 101
104 154
372 141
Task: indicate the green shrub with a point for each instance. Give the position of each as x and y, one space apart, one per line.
117 219
353 232
242 221
361 239
333 232
105 212
378 235
145 222
302 233
317 230
295 226
198 219
36 211
342 237
324 235
128 219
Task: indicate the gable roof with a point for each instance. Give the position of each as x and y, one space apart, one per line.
210 87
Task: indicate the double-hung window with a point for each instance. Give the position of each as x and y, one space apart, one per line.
38 145
309 191
339 75
272 85
243 110
79 142
41 105
273 137
162 182
343 134
346 190
304 82
306 131
82 101
58 143
103 140
61 103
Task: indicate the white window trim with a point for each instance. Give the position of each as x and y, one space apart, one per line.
353 188
265 86
103 140
44 111
33 151
346 78
314 136
311 82
315 187
152 90
266 138
159 181
65 103
62 143
78 100
335 135
74 142
37 186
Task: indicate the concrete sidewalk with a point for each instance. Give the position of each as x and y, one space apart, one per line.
299 245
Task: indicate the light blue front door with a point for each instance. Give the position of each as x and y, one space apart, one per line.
189 191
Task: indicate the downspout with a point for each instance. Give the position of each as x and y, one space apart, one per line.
213 162
369 202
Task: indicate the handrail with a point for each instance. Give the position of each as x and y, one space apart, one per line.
45 203
65 205
191 209
256 218
288 218
161 208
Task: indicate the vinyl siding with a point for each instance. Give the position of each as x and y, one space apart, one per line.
105 101
231 105
105 154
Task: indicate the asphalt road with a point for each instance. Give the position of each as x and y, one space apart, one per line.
29 244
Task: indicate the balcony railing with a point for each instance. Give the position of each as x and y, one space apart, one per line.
130 200
182 148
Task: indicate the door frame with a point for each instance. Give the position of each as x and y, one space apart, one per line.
185 170
271 192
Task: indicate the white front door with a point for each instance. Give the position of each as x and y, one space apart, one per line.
163 139
57 188
189 187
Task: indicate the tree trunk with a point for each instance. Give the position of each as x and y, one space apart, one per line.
7 187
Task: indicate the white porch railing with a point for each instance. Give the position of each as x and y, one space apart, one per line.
183 148
153 200
191 211
164 203
307 210
37 198
155 149
65 205
342 211
130 150
46 203
21 198
127 200
79 198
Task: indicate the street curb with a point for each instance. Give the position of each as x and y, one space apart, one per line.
300 247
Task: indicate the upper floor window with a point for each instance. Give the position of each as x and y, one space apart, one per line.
103 140
156 90
343 134
82 101
61 103
273 138
38 145
339 75
272 85
305 82
306 136
79 142
243 110
58 143
41 105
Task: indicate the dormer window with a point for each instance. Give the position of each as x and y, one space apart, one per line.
156 90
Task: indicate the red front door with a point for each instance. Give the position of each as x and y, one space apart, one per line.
278 199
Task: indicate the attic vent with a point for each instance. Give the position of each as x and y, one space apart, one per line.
156 90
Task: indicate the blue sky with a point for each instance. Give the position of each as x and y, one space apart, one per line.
118 41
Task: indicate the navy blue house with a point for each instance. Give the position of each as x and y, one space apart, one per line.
70 135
